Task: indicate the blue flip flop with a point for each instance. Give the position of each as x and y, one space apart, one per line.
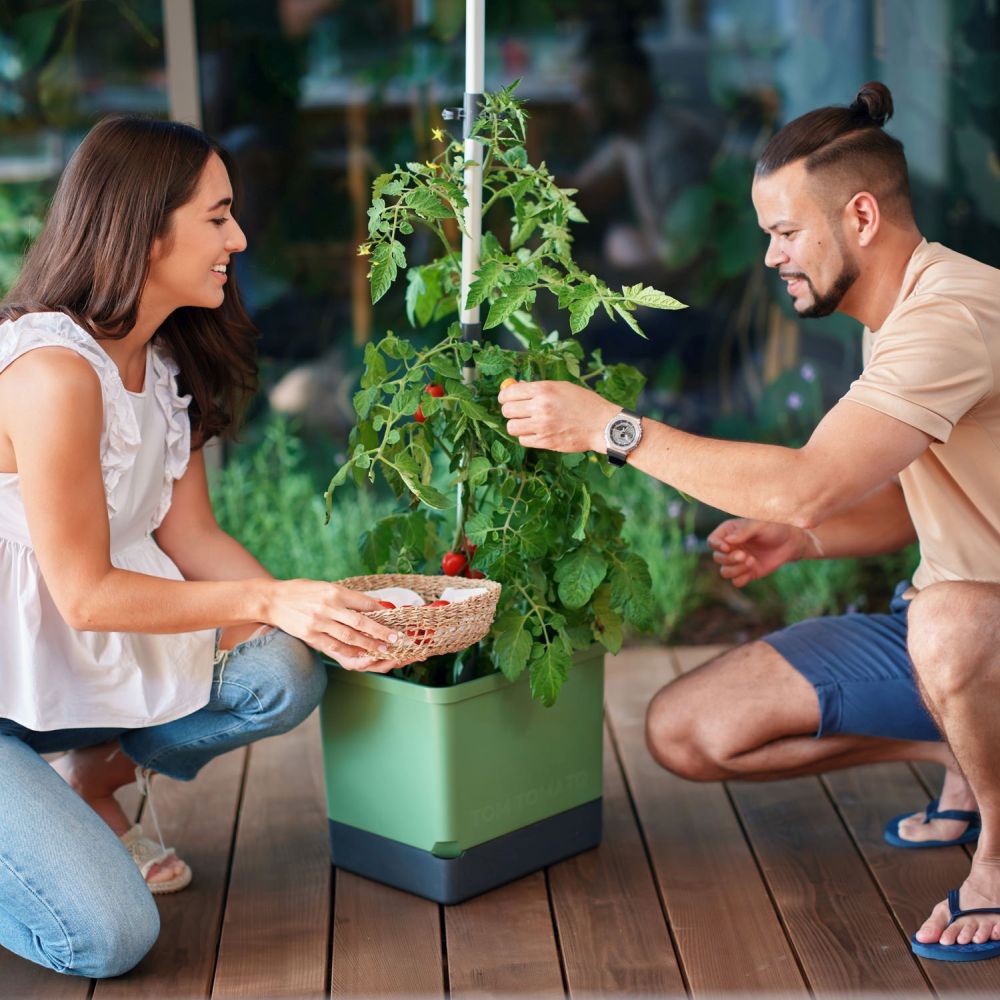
958 952
891 832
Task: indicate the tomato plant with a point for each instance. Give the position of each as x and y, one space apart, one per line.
535 521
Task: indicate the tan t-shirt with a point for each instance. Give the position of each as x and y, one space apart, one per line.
934 364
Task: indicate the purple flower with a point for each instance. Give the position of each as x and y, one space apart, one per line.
794 401
690 543
674 509
808 372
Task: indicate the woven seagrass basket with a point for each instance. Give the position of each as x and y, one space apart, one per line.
425 632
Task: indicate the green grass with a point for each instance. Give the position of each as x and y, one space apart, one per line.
271 501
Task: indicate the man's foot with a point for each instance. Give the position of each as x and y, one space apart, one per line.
978 928
955 794
95 779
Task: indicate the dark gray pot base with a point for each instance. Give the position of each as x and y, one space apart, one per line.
480 868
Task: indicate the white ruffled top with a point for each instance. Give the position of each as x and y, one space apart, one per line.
53 676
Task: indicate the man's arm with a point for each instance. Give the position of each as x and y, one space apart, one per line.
747 550
852 451
877 524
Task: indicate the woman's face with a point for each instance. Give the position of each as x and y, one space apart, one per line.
188 266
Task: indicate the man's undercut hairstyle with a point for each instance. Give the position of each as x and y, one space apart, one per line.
849 149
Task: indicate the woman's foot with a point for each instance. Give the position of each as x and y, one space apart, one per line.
955 794
95 778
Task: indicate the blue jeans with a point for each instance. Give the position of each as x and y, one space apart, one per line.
71 898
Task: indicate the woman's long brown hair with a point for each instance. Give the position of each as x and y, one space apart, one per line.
91 260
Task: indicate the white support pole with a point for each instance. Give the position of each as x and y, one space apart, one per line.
475 37
183 89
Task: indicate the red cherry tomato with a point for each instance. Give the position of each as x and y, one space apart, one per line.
435 390
419 415
388 604
453 563
439 604
475 574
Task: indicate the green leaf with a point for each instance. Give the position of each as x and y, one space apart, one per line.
375 370
364 399
425 202
506 304
487 277
478 527
651 297
607 622
500 453
629 318
631 588
375 213
415 288
580 527
583 307
479 469
383 271
579 574
511 644
444 366
549 673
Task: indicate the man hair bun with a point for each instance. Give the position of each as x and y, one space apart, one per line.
873 102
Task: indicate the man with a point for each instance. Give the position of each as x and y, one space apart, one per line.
911 450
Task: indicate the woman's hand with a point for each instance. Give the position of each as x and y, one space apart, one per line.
332 620
559 416
748 550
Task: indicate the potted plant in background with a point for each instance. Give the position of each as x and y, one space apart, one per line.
464 772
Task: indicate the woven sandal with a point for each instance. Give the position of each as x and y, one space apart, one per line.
146 853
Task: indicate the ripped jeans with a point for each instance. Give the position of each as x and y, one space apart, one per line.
71 898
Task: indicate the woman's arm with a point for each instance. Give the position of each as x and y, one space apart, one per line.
51 410
192 538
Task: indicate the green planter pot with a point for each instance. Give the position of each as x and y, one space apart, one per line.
448 792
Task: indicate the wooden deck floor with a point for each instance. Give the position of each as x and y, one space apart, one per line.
700 890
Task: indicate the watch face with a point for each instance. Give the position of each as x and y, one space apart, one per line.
622 433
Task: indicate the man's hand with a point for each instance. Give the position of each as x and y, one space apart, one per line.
559 416
748 550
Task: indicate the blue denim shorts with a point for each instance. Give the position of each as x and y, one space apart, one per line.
861 670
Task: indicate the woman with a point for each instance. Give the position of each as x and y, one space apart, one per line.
123 349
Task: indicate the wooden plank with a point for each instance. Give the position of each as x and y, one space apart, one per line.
503 943
844 935
612 931
385 942
912 881
727 933
197 818
26 981
276 928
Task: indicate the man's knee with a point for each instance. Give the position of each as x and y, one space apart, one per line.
953 634
674 738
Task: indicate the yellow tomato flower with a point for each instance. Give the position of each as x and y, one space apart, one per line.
364 250
438 134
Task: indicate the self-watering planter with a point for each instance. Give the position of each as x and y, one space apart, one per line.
449 792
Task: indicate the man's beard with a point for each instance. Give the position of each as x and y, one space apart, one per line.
823 305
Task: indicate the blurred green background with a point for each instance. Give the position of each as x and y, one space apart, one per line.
654 109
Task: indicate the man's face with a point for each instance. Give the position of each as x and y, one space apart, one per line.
807 246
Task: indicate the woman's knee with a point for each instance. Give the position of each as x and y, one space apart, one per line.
109 941
292 682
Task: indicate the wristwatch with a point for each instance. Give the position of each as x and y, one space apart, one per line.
622 433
